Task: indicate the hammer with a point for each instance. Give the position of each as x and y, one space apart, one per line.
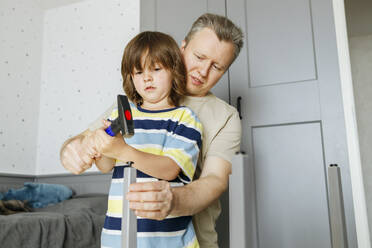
124 124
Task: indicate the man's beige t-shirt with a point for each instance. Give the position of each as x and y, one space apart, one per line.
221 138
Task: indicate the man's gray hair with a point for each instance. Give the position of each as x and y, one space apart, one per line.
224 29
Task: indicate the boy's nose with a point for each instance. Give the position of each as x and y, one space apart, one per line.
147 76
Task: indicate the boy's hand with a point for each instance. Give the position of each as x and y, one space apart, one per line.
105 144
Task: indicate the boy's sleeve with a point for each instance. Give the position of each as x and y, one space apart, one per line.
185 144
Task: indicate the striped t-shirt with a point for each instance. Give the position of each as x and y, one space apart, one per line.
175 133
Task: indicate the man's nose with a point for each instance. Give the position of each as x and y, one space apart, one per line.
204 69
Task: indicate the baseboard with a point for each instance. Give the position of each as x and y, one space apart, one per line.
9 181
87 183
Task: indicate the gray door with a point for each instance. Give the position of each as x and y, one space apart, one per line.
293 120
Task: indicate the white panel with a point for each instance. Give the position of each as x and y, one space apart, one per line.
283 104
280 41
176 17
291 188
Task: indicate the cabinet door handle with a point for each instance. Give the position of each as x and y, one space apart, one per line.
238 106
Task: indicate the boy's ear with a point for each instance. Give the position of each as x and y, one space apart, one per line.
183 46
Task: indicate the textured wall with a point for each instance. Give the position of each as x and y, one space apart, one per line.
361 64
83 45
359 17
59 69
20 67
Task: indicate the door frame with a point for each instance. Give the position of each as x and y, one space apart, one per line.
360 207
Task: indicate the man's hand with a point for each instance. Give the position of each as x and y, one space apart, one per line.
156 200
79 153
152 200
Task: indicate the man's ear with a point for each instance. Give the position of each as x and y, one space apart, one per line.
183 45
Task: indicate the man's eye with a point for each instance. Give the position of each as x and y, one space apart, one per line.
197 56
216 67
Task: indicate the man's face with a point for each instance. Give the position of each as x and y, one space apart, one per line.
206 59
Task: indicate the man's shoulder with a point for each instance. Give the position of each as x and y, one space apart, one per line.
209 103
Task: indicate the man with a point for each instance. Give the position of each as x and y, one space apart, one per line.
209 48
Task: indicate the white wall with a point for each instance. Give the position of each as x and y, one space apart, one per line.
20 67
82 51
59 72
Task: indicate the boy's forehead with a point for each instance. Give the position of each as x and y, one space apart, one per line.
145 61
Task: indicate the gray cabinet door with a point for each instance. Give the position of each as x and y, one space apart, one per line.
175 18
293 120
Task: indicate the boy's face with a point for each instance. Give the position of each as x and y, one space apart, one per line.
153 85
206 59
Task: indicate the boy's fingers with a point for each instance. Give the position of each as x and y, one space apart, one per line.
106 123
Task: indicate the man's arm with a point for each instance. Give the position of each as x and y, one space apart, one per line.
156 200
199 194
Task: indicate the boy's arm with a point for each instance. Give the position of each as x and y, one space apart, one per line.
157 166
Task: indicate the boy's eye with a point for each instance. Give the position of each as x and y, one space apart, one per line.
157 68
137 72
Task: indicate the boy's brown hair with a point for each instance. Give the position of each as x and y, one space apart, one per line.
158 48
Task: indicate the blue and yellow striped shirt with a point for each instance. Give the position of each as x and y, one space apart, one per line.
175 133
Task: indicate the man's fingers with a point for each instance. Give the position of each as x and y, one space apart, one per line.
148 206
82 158
155 215
147 196
148 186
80 162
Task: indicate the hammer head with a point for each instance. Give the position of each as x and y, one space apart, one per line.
124 123
125 117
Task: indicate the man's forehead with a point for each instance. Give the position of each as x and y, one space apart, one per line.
207 44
